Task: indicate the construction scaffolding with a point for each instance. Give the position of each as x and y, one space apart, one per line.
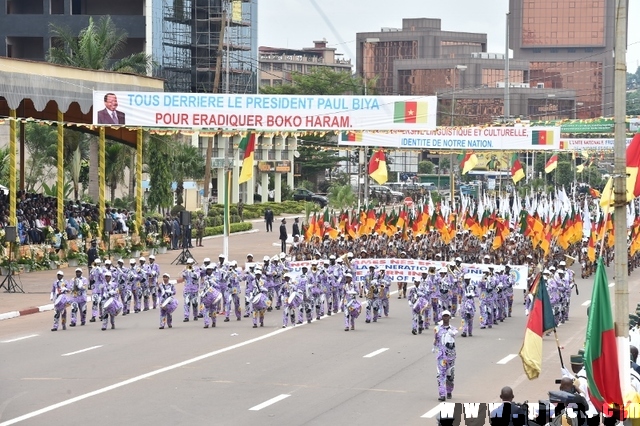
209 46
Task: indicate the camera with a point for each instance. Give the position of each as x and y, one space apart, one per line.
558 381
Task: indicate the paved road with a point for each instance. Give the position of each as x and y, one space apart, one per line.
313 374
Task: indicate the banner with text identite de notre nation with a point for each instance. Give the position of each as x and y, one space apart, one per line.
461 138
264 112
406 270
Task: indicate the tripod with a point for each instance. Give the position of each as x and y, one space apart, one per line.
9 283
185 254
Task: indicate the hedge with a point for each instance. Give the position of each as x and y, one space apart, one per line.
234 227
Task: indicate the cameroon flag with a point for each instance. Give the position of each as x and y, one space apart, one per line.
601 353
248 145
551 164
517 172
542 137
352 136
410 112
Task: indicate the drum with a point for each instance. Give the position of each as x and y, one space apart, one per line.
211 297
354 308
294 300
61 302
112 306
316 291
420 306
259 301
169 305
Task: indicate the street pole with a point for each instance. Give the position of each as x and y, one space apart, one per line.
507 103
453 114
620 197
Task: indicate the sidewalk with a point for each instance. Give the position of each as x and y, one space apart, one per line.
37 285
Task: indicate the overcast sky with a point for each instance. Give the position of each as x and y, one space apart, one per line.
297 23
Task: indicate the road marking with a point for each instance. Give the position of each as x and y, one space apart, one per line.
19 338
269 402
587 303
374 353
506 359
82 350
142 377
431 413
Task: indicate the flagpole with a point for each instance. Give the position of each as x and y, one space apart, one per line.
620 196
555 333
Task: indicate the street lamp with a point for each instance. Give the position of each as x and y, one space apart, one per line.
368 42
461 68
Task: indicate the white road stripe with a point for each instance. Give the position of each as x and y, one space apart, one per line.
269 402
432 413
587 303
141 377
82 350
374 353
506 359
19 338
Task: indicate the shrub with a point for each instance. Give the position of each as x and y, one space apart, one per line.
235 227
175 209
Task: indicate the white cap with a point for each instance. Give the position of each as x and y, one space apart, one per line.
190 261
352 292
166 274
97 261
210 267
132 261
562 263
78 269
258 271
142 259
151 257
332 257
287 276
486 256
348 275
283 255
249 255
314 262
350 254
107 274
438 255
60 273
445 312
458 259
325 261
266 258
339 260
552 268
234 263
221 255
443 270
120 260
205 260
107 262
546 271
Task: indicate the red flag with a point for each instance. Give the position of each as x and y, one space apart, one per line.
633 165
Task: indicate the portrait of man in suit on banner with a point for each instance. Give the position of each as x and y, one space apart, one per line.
110 115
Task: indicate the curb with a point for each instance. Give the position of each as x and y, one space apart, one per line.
28 311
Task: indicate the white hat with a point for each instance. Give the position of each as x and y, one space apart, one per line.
438 255
166 274
266 258
210 266
443 270
546 271
221 255
120 260
205 260
97 261
458 259
142 259
107 274
283 255
486 256
190 261
339 260
529 256
314 262
249 255
352 292
562 263
350 254
552 268
445 312
60 273
325 261
287 276
234 263
348 275
78 269
132 261
107 262
258 271
151 257
332 257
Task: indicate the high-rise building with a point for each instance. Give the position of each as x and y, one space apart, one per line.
277 63
569 45
196 45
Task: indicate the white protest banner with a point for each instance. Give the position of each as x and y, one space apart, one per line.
406 270
576 144
460 138
264 112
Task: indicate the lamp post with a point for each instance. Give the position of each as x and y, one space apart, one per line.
368 42
461 68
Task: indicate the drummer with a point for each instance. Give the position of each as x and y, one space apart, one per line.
289 298
59 292
112 305
167 300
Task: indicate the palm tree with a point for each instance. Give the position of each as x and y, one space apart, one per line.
96 48
116 162
341 196
187 163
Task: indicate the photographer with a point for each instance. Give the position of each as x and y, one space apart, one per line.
508 413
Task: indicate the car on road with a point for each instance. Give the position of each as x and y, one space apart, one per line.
302 194
382 192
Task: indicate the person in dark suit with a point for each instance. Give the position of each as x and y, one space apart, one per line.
508 413
295 231
109 115
283 236
268 218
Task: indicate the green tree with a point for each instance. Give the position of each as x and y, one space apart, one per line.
633 103
96 47
341 196
41 146
426 167
564 173
186 163
4 166
321 81
115 155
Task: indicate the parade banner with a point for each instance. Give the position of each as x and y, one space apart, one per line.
588 144
264 112
460 138
406 270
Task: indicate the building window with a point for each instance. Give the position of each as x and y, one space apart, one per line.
265 82
589 50
532 20
571 50
537 50
554 50
266 66
277 67
595 19
554 19
299 67
572 19
277 82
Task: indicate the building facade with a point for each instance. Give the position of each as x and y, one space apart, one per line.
569 45
277 64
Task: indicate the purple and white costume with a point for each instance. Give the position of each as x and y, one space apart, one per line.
59 296
445 348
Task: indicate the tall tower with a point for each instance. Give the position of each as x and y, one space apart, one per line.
569 45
